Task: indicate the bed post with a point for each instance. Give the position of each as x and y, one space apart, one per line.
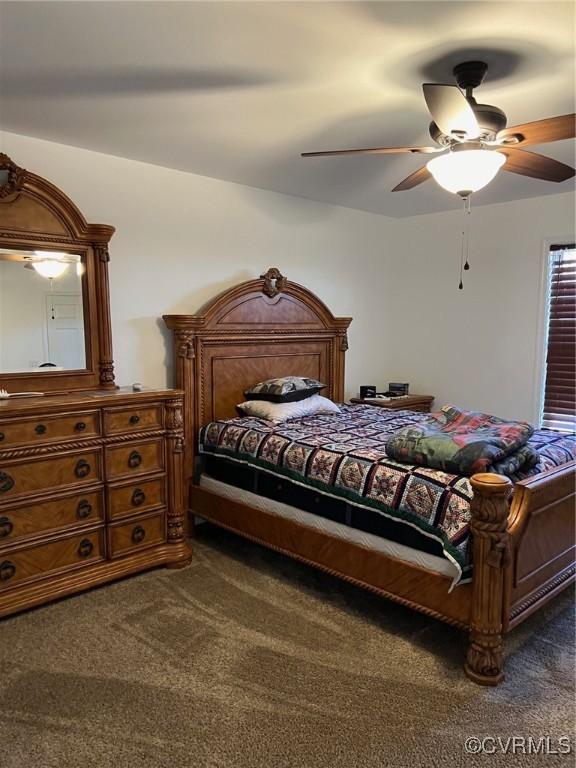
490 555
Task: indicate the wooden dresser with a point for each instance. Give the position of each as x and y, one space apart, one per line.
91 476
90 490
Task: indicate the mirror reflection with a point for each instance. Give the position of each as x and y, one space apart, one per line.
41 312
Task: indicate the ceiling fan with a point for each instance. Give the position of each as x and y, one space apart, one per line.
472 139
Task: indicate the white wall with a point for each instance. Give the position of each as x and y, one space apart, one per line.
182 238
480 347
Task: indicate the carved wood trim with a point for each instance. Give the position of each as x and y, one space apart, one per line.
177 485
269 311
185 344
289 536
346 577
274 282
16 176
535 597
491 558
90 442
26 227
105 362
559 582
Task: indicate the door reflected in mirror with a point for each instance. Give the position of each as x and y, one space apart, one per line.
41 312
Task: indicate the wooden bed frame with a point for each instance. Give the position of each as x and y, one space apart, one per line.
523 552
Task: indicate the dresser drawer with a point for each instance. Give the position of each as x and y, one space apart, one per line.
30 476
136 497
43 559
36 519
126 420
45 429
138 534
132 459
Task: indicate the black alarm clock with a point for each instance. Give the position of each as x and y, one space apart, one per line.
367 391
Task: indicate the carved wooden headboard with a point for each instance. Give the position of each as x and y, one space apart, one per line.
256 330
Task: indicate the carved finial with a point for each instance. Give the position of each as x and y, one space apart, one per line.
11 176
274 282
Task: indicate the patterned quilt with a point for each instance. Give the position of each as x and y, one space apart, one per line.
343 455
465 442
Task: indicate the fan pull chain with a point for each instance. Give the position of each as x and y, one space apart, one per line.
461 284
465 248
467 229
51 281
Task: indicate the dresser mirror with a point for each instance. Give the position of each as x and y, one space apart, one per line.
42 326
55 333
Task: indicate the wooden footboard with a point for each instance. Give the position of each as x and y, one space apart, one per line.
523 555
542 528
395 579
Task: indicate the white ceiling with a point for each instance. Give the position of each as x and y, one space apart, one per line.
236 90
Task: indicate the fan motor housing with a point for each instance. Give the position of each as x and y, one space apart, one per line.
491 119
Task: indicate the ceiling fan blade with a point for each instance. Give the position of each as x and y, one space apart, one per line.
418 177
537 166
542 131
450 110
375 151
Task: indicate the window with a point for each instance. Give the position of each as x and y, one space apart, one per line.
560 386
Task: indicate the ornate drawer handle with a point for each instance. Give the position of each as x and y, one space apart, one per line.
6 482
138 534
6 527
138 497
134 419
7 570
40 429
86 548
2 436
134 460
80 426
82 468
84 509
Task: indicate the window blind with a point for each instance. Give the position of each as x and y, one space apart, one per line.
560 386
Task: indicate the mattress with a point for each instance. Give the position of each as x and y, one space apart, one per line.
424 560
335 466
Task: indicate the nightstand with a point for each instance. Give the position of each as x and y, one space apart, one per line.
422 403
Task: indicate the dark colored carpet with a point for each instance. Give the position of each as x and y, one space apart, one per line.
247 659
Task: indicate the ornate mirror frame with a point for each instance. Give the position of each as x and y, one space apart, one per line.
36 215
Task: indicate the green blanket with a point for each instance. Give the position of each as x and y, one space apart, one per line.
465 442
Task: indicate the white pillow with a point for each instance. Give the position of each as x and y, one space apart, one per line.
263 409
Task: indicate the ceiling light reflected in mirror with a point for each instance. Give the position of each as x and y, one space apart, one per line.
48 264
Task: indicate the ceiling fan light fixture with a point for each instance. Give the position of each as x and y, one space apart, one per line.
467 170
50 263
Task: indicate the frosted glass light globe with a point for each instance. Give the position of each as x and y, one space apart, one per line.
467 170
50 267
